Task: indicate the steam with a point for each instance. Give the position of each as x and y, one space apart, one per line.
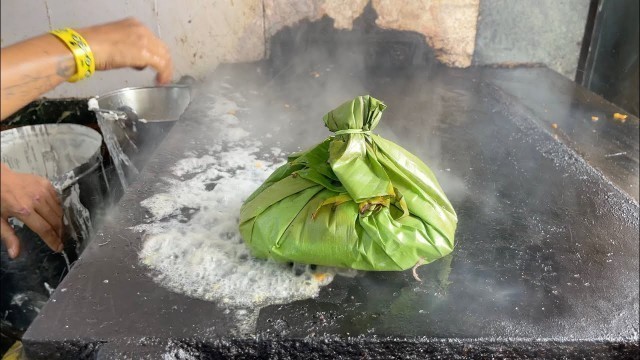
191 238
253 120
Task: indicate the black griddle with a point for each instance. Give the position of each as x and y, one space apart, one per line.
546 262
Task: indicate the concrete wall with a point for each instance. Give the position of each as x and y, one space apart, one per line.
204 33
200 33
531 31
449 26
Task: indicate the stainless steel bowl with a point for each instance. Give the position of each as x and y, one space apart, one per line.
135 120
153 104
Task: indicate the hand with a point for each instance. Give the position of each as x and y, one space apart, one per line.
32 200
128 43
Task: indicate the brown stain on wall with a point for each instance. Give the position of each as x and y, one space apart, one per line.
449 26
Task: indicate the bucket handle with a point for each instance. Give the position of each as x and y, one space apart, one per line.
83 174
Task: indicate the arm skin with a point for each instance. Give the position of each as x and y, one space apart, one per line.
32 68
35 66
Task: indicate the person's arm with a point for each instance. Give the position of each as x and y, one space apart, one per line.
35 66
31 68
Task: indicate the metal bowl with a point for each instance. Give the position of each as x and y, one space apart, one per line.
135 120
153 104
63 153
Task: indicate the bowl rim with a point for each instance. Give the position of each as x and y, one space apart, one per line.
89 165
134 88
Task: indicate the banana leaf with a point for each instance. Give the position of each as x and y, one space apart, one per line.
355 201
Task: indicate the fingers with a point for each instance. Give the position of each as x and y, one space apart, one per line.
129 43
32 200
40 210
46 206
44 229
51 213
154 52
158 57
51 190
53 204
9 239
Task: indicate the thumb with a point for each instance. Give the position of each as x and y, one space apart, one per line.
9 238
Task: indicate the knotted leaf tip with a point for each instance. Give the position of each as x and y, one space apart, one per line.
357 116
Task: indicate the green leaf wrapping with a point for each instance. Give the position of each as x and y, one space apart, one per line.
356 201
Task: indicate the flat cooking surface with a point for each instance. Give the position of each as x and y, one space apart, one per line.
547 243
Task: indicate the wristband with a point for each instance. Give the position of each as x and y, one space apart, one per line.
85 64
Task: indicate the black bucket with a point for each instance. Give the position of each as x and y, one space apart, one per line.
69 156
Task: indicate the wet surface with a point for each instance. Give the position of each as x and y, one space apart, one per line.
546 261
583 122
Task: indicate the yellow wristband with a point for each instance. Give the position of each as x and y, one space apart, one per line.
85 64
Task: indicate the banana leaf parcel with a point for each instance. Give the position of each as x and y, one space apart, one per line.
355 201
